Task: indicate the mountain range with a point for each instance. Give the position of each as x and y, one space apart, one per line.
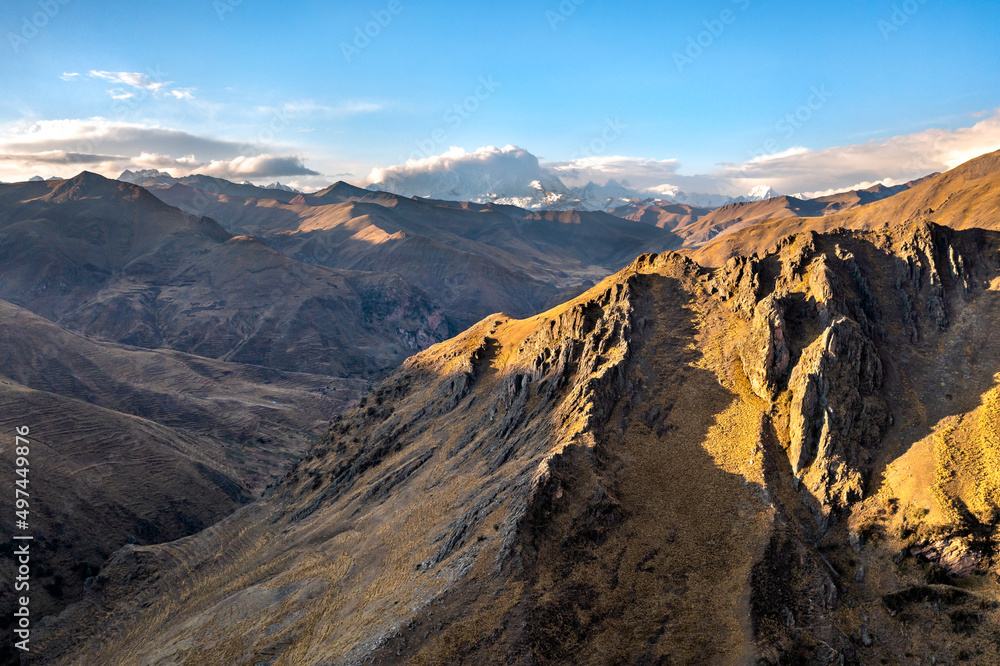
777 445
548 192
474 259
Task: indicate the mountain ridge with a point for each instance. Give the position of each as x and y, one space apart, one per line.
555 456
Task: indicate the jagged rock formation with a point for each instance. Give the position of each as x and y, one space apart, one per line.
788 459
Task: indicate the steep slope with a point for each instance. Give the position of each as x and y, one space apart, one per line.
679 466
968 196
736 216
147 445
474 259
228 404
663 215
108 259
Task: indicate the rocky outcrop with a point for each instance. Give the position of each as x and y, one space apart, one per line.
837 415
764 351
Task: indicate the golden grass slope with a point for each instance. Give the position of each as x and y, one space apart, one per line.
966 197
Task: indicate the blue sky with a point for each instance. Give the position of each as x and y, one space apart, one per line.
290 91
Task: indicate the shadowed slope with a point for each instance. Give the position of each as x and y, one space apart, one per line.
473 259
148 445
108 259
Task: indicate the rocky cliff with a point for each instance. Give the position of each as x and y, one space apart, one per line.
790 458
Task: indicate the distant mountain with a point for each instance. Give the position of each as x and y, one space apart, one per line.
661 214
472 259
152 178
696 226
964 197
513 177
110 260
278 186
553 195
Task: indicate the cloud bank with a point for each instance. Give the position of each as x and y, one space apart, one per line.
63 148
457 173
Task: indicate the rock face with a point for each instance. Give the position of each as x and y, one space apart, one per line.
763 351
753 464
837 412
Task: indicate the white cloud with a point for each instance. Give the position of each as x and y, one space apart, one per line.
153 83
311 107
59 163
798 169
133 79
259 166
510 170
65 147
637 172
457 174
899 158
89 134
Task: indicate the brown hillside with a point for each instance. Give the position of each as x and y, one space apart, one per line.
148 445
782 460
110 260
967 196
472 259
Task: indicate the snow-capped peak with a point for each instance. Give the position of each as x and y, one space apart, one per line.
760 193
278 186
145 175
